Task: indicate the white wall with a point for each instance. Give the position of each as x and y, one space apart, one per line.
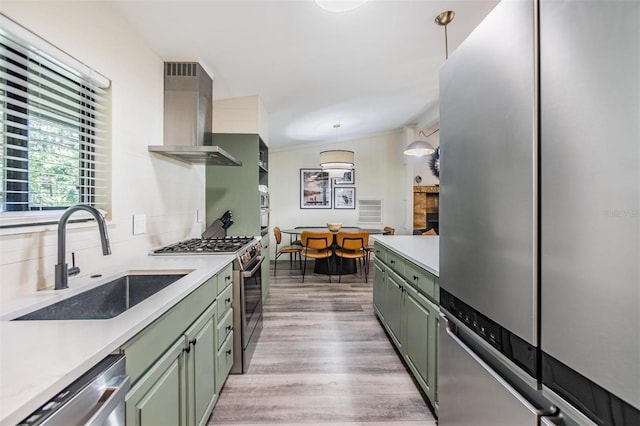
380 173
168 192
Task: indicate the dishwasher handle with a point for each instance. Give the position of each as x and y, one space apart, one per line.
113 394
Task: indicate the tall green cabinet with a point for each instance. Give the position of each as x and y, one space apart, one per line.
235 188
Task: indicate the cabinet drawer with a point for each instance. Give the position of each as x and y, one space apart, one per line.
224 301
380 252
421 280
225 327
146 346
224 278
225 361
396 262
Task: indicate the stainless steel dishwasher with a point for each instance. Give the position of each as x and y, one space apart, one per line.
96 398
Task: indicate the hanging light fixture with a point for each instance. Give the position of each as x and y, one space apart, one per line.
443 20
337 162
420 148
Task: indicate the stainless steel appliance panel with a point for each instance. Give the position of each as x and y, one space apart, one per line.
247 314
590 162
488 161
96 398
470 392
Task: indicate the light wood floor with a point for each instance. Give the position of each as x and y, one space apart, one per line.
322 358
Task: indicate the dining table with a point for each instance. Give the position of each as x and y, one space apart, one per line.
331 265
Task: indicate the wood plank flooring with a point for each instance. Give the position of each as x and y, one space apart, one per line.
322 358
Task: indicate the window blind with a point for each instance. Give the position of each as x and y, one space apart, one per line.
53 124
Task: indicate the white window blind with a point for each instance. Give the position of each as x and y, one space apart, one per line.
370 211
53 131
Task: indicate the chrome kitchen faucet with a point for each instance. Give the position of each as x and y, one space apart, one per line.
62 272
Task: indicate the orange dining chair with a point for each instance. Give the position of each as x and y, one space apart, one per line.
293 250
353 245
316 245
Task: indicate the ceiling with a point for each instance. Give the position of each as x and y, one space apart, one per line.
371 69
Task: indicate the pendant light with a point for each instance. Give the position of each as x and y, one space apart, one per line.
421 148
443 20
338 161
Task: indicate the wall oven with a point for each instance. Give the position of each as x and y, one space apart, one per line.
247 288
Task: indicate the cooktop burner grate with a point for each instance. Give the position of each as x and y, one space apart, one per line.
206 245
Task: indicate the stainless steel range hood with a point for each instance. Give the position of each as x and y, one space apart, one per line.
188 116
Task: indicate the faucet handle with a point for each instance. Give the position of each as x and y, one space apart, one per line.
74 270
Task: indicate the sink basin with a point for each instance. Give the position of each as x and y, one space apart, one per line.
107 300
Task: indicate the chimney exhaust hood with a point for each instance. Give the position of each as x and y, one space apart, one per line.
188 109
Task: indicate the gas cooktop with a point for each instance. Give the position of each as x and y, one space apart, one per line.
223 245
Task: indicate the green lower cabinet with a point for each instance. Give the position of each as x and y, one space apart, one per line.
394 293
225 361
379 300
420 325
201 360
409 316
180 388
158 398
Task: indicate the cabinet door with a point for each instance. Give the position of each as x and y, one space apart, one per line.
419 343
394 289
201 357
378 288
224 361
158 398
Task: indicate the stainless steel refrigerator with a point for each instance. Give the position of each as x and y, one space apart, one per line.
540 217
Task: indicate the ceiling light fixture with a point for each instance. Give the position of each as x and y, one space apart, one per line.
443 20
339 5
421 148
338 161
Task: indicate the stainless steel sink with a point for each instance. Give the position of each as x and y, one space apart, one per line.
107 300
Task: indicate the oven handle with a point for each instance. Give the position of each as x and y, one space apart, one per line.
248 274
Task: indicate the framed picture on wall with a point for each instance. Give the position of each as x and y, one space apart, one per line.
348 178
344 198
315 189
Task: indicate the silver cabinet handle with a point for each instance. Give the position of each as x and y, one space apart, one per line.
113 395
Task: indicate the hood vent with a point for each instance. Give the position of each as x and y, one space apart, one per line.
188 109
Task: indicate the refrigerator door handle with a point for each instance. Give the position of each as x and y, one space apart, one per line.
452 334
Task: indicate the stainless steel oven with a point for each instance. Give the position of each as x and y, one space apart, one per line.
247 288
247 311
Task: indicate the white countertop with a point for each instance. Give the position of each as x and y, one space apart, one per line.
40 358
423 250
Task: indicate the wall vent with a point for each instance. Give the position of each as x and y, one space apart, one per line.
181 69
370 211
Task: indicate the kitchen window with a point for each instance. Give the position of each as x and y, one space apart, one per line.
53 128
